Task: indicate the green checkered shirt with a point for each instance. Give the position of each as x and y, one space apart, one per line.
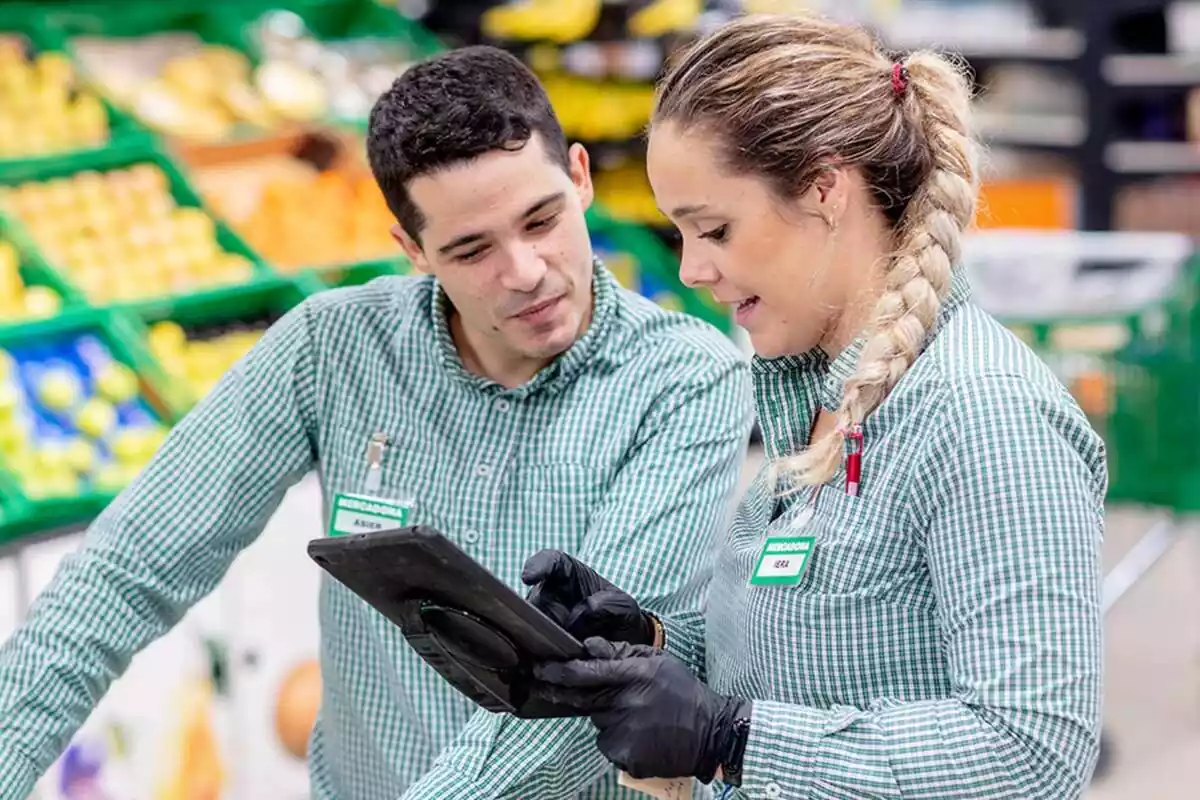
944 641
624 451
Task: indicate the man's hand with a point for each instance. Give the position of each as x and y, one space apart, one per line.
656 719
582 602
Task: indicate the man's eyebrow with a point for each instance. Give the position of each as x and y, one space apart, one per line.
545 201
454 244
471 238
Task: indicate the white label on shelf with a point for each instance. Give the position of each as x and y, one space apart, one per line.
1183 26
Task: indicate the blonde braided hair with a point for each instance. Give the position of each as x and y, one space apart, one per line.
791 96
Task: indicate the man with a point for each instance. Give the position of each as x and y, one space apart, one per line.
514 397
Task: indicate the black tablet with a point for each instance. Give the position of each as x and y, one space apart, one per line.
476 632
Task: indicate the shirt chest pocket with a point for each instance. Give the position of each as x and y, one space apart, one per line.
860 548
408 473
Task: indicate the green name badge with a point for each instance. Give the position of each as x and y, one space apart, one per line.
783 561
360 514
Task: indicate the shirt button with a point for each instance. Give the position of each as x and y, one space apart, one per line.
503 406
472 537
483 470
773 790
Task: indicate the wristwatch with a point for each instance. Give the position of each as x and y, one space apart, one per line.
657 632
731 765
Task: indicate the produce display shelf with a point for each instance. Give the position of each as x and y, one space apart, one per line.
26 514
112 158
34 271
334 20
126 326
19 20
259 302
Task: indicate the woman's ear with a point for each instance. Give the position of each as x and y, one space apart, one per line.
830 191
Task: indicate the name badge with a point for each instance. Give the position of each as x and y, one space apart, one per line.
354 513
785 556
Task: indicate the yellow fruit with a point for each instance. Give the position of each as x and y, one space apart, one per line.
81 456
96 418
58 389
193 225
296 706
110 479
117 383
7 366
20 461
167 338
41 302
59 483
54 68
127 445
13 438
10 398
152 439
148 178
190 76
52 457
8 257
36 487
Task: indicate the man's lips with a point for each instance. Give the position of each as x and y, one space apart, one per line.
536 308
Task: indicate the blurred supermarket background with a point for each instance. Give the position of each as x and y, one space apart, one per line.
175 174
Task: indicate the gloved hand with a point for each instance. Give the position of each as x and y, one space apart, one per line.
582 602
656 719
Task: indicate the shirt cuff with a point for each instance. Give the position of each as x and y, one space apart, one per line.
18 776
685 640
781 751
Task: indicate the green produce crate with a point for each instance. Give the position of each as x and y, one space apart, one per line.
36 514
124 19
334 20
264 300
35 272
357 274
119 157
217 23
13 509
656 268
30 23
1131 361
339 21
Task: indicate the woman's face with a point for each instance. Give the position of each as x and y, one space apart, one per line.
771 261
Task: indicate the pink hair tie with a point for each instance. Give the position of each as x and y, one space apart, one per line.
899 79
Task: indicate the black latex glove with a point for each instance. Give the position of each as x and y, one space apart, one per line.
656 719
582 601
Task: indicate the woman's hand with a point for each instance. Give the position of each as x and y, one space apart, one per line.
583 602
656 719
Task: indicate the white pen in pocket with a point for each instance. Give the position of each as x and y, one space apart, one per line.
376 447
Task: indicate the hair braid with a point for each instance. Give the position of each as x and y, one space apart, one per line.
927 250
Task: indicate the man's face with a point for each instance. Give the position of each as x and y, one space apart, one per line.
506 238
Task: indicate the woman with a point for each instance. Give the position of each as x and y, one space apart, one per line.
907 604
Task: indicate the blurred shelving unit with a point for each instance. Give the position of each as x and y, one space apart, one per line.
1090 110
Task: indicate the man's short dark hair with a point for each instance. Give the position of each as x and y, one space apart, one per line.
453 108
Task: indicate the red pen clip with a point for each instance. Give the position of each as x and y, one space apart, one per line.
854 460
